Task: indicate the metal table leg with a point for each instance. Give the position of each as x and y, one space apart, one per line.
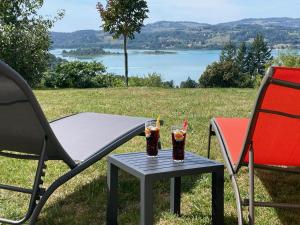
146 202
112 186
175 195
218 197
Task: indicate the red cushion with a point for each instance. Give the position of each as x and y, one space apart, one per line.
233 132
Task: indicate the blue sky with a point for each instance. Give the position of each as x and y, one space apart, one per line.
82 14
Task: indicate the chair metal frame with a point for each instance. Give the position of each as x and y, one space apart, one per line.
248 147
39 194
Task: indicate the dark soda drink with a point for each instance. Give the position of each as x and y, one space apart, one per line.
152 138
178 141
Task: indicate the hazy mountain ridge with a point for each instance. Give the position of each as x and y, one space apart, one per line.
280 32
276 21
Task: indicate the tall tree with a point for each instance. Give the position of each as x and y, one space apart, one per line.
228 53
123 18
241 57
251 61
24 37
260 54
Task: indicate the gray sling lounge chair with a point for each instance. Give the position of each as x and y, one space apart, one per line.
79 140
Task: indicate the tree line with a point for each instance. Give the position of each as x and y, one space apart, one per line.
24 38
238 66
25 43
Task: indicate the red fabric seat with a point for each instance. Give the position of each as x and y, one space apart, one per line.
274 135
271 136
233 132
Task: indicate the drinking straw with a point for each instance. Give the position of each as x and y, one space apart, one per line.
158 122
185 124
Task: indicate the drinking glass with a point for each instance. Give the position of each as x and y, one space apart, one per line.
178 141
152 138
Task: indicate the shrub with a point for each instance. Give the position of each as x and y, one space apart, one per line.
189 83
168 84
287 58
78 74
153 80
49 79
258 80
74 75
93 75
107 80
135 81
225 74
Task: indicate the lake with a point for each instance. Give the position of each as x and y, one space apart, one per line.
177 67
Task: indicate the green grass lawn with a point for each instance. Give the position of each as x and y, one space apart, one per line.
83 199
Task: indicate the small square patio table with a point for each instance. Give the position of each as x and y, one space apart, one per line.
150 169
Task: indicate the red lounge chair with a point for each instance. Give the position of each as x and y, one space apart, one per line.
270 139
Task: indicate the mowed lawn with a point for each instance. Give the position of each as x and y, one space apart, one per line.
83 199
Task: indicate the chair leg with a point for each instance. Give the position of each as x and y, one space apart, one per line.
231 174
251 187
209 140
237 199
46 196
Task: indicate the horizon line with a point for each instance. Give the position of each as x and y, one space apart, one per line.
189 21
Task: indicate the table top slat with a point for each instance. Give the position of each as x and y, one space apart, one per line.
174 167
140 163
168 163
154 161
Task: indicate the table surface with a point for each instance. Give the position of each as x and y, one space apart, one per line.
139 164
150 169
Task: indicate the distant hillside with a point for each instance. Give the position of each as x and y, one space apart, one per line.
280 32
271 22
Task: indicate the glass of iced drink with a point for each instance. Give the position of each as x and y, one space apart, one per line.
152 129
178 141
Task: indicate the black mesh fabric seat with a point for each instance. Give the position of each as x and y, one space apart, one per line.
79 140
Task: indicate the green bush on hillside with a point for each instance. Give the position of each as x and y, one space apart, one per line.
150 80
225 74
238 67
79 74
168 84
287 58
189 83
107 80
136 81
74 75
153 80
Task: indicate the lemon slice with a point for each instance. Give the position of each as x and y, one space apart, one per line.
179 136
